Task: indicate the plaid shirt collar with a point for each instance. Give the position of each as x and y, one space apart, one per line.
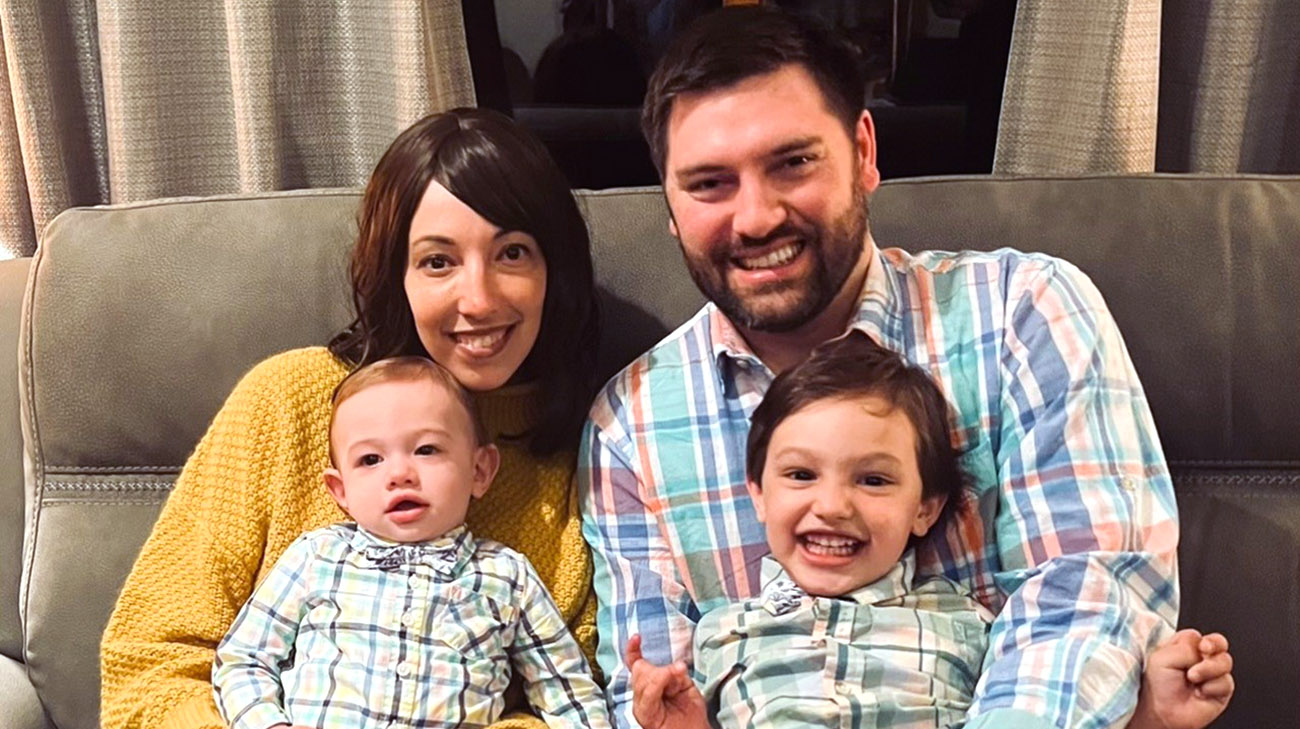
876 310
781 595
446 554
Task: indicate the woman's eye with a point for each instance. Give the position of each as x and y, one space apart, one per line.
435 263
515 252
369 459
426 450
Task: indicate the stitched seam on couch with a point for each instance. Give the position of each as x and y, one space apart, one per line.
108 485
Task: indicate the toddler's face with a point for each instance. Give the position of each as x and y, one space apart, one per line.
406 461
841 493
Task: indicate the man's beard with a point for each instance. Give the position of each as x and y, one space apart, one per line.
836 251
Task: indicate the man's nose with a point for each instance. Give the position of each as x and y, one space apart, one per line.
759 210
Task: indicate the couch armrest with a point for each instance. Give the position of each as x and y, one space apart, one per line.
19 705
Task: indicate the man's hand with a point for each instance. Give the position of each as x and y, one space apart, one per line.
1187 683
663 697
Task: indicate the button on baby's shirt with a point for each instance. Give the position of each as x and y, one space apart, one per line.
1128 483
404 669
413 582
410 618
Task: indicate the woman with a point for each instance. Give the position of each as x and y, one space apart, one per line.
471 250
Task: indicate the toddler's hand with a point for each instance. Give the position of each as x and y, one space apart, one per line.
1187 683
663 697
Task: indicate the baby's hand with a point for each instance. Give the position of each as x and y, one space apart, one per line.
663 697
1187 683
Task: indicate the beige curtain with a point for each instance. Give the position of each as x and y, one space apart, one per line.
119 100
1131 86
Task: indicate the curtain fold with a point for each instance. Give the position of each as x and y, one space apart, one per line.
1140 85
127 100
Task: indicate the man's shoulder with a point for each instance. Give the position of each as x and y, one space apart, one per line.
1003 260
686 346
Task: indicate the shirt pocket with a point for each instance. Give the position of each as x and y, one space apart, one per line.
471 627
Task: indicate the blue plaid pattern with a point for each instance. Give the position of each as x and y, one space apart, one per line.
1072 535
891 655
349 631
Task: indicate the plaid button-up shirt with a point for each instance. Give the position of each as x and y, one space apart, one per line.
890 655
350 631
1072 534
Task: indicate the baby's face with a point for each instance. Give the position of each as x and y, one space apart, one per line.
406 461
841 493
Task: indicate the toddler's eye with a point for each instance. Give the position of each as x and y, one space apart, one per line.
369 459
427 449
800 474
873 479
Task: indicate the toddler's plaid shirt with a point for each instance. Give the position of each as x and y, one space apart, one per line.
350 631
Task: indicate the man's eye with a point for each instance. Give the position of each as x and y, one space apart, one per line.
369 459
427 449
708 184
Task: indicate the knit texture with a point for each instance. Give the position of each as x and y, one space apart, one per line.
251 487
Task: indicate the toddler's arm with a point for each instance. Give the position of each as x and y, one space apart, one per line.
246 671
664 697
1187 683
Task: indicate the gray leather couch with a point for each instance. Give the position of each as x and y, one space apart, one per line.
136 321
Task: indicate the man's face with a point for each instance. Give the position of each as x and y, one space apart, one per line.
768 196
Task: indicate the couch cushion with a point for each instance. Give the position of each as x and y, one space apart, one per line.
13 506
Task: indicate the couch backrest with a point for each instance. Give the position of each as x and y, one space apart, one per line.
142 317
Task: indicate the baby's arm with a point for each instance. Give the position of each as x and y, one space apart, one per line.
1187 683
246 671
557 678
664 697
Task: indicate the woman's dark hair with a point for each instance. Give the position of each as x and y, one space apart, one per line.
730 45
853 366
505 175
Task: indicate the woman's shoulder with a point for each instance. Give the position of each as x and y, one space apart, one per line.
292 375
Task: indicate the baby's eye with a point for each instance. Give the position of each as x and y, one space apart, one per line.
369 459
428 449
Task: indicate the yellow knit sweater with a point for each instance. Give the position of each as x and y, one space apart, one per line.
250 488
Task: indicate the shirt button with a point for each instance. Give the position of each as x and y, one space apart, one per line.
404 669
413 581
409 618
820 642
1127 483
843 689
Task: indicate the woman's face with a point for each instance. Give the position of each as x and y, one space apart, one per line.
476 291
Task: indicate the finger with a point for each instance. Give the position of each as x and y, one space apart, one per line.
633 653
1179 652
1213 643
1219 689
679 680
1219 664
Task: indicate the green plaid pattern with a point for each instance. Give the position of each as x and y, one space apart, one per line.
892 655
351 632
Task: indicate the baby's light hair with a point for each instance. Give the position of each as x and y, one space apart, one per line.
404 369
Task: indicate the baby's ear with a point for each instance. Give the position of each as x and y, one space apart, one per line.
755 490
927 514
487 459
334 484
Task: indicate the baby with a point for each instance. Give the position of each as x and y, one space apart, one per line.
401 618
850 464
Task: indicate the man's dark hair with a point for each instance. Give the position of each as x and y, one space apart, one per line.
730 45
853 366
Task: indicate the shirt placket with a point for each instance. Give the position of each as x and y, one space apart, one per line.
410 617
835 620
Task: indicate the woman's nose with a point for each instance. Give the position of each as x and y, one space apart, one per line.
477 292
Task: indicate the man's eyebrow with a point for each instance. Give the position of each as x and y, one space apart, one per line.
704 169
795 145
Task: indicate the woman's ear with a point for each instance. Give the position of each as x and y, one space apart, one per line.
487 459
927 514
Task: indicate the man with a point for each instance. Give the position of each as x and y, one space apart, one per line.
767 158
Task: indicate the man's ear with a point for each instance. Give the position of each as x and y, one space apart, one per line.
928 514
756 495
487 459
334 484
864 140
672 227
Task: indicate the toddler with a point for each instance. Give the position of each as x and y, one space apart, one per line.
849 464
402 618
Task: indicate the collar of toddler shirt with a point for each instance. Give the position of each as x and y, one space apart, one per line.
446 554
781 595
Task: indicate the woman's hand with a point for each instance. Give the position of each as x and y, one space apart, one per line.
663 697
1187 683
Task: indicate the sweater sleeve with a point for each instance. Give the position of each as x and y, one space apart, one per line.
199 564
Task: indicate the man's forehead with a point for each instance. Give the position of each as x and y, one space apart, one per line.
759 115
